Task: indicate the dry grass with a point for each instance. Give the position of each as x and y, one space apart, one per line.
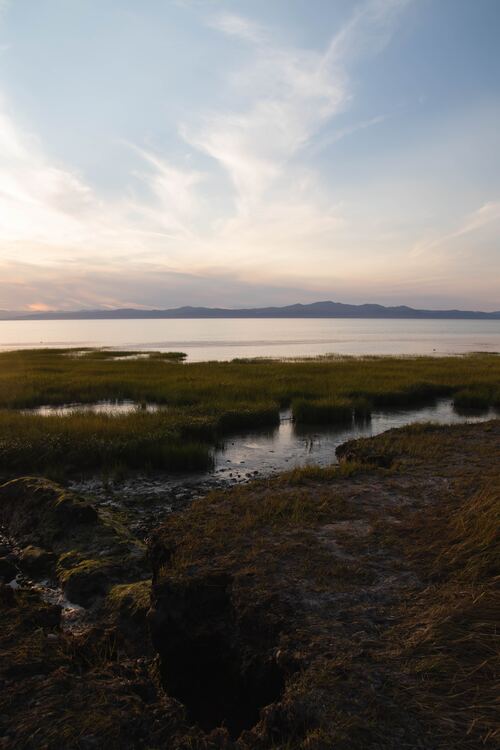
386 581
448 640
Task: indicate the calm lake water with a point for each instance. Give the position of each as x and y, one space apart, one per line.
227 339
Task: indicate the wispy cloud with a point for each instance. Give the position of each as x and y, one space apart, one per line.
238 26
482 217
367 31
292 94
283 96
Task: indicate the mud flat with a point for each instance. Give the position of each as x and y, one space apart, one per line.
350 606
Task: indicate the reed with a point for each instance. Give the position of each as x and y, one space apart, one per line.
473 398
322 411
204 400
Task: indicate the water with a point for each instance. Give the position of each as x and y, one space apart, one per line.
227 339
111 408
289 445
256 453
264 451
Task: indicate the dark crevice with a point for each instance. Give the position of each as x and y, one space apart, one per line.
217 688
220 676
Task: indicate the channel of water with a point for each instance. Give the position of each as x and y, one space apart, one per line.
244 456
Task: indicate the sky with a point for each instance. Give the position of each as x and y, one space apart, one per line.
242 153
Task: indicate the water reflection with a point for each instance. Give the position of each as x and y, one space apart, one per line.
110 408
291 445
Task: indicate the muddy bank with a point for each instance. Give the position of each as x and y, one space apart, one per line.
291 612
244 456
324 608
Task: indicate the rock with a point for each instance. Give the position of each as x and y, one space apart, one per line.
8 570
37 562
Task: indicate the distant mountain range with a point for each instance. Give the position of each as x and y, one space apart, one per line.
313 310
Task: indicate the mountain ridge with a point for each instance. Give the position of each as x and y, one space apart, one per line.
323 309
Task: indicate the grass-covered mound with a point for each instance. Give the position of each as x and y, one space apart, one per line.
73 692
91 549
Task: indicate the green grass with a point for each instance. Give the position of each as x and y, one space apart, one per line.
479 398
35 377
205 400
57 445
322 411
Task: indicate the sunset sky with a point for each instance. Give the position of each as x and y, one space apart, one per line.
240 153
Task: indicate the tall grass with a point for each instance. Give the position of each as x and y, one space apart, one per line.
479 398
322 411
56 445
204 399
36 377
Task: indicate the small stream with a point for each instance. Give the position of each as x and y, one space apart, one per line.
146 499
267 451
245 456
290 445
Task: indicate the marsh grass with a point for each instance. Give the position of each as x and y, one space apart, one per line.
89 441
322 411
477 399
205 401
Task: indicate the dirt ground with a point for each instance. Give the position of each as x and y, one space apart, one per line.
349 607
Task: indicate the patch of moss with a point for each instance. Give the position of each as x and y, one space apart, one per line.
130 599
83 580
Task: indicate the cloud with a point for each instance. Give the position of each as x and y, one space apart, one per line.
321 143
38 200
242 28
487 214
272 216
290 93
49 212
367 31
29 286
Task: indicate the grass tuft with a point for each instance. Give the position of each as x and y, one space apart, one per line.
322 411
